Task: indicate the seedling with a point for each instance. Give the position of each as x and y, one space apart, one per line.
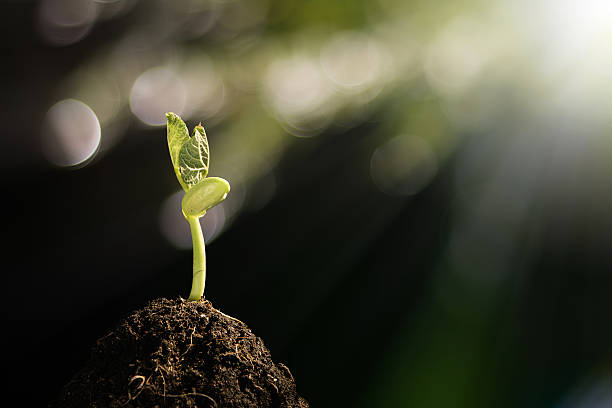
190 158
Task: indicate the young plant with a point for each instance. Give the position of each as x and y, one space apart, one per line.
190 158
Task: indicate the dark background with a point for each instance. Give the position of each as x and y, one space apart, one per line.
484 282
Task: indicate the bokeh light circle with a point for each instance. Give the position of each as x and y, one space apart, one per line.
71 133
155 92
65 22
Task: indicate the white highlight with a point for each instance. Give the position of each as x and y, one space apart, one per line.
354 61
299 93
458 56
155 92
65 22
71 133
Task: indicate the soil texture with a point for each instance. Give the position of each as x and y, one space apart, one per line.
177 353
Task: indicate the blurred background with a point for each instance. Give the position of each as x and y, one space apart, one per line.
420 213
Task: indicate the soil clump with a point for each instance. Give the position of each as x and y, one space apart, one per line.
177 353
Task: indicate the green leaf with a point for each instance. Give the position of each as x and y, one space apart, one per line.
177 136
189 155
193 158
204 195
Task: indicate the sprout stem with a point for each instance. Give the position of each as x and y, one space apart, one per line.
199 259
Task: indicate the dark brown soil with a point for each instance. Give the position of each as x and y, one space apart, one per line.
176 353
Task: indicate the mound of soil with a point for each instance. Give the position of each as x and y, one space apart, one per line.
177 353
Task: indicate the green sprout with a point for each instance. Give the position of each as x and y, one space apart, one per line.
190 158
